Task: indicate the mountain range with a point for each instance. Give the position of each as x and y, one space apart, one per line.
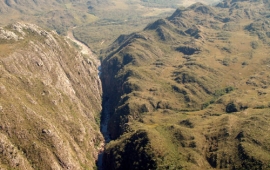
191 91
58 15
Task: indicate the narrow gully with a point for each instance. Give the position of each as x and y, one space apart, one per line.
105 117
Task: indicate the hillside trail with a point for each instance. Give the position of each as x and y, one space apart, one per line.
84 48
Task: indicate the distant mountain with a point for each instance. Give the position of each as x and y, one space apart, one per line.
54 14
191 91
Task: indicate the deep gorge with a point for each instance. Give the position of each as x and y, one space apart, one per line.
190 91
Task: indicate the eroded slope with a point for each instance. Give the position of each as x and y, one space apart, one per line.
50 99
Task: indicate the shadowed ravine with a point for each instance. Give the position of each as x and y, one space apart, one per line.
104 130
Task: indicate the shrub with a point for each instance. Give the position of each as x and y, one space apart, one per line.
254 44
231 107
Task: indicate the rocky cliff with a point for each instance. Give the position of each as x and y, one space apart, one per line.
50 100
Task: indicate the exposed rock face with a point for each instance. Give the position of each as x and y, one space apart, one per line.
50 98
7 35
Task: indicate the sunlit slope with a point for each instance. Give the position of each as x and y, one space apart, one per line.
50 100
95 22
191 91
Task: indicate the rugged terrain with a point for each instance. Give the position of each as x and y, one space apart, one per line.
98 22
50 101
53 14
191 91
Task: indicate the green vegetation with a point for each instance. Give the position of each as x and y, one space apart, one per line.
190 91
47 106
195 84
96 23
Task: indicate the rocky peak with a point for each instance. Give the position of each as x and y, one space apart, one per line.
197 8
22 27
177 13
19 31
8 35
156 24
200 8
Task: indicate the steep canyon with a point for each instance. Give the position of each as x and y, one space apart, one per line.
190 91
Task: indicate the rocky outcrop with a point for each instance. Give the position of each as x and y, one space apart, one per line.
50 98
8 35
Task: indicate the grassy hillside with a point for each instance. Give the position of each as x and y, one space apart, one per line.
124 17
191 91
57 15
97 22
49 102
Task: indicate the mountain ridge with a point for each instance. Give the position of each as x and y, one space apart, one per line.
193 83
50 99
52 14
